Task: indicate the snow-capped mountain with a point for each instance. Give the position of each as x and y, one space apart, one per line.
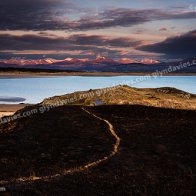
99 64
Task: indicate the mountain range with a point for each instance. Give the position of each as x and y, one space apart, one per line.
100 64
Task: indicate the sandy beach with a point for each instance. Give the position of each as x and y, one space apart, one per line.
2 114
10 109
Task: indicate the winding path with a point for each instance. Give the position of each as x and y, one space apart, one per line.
77 169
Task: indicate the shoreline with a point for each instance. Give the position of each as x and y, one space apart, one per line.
3 114
10 109
95 74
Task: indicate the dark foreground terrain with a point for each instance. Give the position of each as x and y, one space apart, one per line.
156 154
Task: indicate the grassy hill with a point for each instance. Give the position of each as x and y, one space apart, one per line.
160 97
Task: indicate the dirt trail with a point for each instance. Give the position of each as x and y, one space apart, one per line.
72 170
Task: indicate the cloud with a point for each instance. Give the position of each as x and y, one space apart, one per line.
47 41
183 46
31 42
43 42
125 18
163 29
57 15
33 15
121 42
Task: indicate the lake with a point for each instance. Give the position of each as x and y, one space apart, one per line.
34 90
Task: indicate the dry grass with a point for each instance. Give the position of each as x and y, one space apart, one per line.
123 95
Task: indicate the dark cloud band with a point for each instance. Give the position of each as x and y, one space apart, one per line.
53 15
183 46
80 42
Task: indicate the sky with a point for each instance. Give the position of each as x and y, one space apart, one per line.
142 29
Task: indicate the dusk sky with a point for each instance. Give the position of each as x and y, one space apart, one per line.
59 29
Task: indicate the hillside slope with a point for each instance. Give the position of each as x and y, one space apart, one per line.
155 157
159 97
122 149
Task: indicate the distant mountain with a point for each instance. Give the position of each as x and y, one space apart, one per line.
100 64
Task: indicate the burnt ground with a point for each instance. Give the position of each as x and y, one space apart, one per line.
156 155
